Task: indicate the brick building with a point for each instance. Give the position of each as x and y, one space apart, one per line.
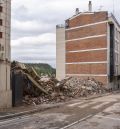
92 47
5 90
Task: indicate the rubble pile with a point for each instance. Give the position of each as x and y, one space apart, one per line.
77 87
66 89
43 89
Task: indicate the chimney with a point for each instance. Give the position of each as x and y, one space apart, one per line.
90 6
77 11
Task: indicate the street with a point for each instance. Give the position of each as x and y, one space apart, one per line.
98 113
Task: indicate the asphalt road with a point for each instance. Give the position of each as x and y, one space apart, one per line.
99 113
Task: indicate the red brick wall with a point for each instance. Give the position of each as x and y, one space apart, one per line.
84 44
86 68
100 42
86 31
91 56
102 79
88 19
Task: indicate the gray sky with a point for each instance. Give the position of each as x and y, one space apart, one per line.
34 23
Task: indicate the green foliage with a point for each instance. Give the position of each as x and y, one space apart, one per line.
42 69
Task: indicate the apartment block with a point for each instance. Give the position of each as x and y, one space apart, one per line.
92 47
5 57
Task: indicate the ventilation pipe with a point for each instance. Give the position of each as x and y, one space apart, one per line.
90 6
77 11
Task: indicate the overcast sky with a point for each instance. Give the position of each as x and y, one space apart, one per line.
34 25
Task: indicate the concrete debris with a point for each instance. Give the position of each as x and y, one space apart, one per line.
38 89
78 87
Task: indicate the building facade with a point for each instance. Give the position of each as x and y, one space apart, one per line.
5 57
60 53
92 47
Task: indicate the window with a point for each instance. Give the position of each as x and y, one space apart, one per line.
1 8
119 36
2 48
1 23
116 70
0 34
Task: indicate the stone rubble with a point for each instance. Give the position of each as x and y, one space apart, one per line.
43 89
67 89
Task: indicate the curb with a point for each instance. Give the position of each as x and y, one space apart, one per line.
102 95
29 112
94 97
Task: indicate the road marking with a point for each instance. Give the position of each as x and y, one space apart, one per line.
107 117
86 105
74 104
100 105
76 122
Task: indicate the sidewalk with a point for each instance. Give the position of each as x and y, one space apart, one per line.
25 110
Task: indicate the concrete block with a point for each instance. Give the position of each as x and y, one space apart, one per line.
5 99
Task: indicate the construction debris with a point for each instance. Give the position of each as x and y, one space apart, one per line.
38 89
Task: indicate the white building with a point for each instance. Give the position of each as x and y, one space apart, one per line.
5 25
60 52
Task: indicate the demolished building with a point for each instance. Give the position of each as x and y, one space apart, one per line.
30 88
88 45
